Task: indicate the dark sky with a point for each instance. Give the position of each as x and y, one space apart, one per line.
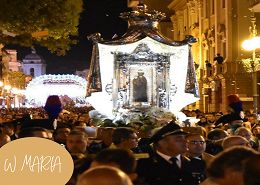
98 16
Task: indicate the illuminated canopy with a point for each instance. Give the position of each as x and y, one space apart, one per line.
168 72
41 87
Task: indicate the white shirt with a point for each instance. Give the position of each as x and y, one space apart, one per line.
167 158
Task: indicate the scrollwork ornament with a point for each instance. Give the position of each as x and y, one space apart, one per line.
109 88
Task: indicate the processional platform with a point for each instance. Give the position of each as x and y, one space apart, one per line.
142 70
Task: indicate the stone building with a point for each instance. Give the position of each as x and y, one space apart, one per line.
13 64
34 64
220 27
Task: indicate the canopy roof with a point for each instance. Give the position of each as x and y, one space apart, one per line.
141 24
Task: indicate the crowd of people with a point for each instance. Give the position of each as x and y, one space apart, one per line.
224 149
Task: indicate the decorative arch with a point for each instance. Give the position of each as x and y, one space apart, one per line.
43 86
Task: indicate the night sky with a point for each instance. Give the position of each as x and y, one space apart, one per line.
98 16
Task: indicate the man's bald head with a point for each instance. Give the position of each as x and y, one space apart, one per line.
4 138
104 175
234 141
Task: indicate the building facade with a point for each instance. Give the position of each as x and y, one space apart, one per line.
220 27
13 64
34 65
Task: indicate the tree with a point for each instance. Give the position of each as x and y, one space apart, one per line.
17 79
58 18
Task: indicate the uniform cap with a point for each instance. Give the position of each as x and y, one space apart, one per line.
170 129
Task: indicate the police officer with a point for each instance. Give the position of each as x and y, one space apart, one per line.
166 165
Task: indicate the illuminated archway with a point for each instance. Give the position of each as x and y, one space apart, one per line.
41 87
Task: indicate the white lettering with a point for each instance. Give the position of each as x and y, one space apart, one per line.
26 161
42 163
55 164
10 166
37 163
42 160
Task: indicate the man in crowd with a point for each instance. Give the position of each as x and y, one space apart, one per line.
34 132
197 147
208 127
211 118
104 175
77 142
62 133
252 119
227 167
235 141
214 141
8 128
119 158
106 140
166 164
246 133
4 139
124 138
218 116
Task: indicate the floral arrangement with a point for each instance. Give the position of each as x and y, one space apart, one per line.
144 121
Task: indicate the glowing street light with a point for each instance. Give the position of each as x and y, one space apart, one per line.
7 87
252 45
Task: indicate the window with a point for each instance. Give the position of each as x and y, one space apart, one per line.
206 8
32 72
224 49
212 7
223 3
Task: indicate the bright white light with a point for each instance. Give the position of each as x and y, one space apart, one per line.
7 87
256 42
247 45
251 44
14 90
41 87
180 116
104 108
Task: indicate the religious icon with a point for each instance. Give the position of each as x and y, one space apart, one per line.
140 87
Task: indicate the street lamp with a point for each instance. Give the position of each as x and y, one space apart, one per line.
252 45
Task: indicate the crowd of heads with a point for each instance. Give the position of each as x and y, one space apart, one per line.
111 154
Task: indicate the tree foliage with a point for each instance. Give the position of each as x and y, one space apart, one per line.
59 17
17 79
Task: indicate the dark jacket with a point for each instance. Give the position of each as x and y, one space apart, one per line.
155 170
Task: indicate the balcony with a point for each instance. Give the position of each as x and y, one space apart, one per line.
217 69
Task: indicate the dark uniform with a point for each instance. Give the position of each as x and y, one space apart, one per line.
155 170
